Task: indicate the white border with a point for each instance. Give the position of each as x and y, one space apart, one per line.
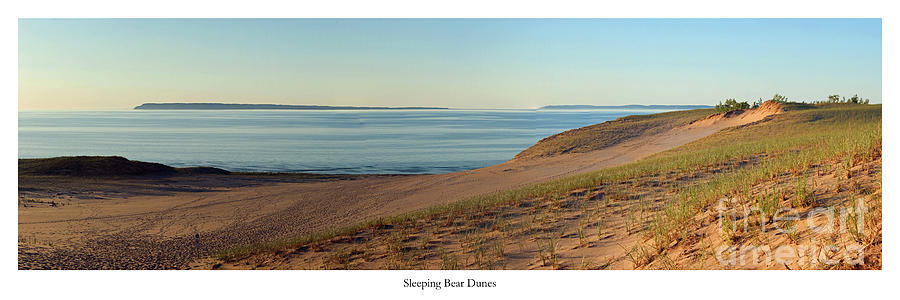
366 284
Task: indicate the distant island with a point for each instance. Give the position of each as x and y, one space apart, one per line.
225 106
632 106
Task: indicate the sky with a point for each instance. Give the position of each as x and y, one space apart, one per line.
85 64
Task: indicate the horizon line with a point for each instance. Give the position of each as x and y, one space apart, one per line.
351 107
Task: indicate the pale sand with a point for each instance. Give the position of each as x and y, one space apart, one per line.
239 215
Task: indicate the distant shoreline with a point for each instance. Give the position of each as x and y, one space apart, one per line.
237 106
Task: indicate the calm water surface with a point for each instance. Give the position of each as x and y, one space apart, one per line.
358 141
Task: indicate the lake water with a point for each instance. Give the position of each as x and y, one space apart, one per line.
355 141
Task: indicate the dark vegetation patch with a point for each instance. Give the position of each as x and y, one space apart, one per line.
201 170
104 166
91 166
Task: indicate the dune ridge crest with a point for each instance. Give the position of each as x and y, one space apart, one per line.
631 129
741 116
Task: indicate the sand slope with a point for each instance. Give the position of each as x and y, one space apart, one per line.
164 231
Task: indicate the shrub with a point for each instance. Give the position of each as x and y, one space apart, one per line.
757 103
730 105
856 99
779 98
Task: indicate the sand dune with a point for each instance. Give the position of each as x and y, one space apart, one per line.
164 231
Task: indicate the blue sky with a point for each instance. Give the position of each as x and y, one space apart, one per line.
463 63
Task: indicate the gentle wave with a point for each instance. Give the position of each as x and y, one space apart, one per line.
351 142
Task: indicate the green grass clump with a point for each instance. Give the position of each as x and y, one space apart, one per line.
449 262
767 204
804 197
549 255
728 230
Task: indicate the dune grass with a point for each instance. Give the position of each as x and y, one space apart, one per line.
599 136
790 143
795 140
